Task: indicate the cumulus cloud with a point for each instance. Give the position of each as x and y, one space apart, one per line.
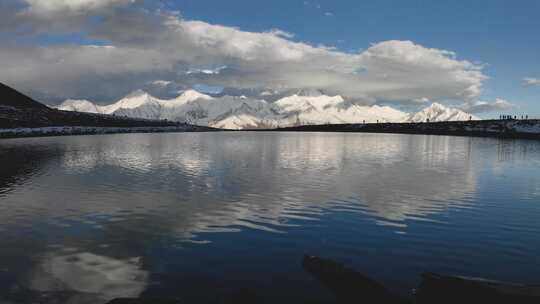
56 16
531 81
142 45
484 106
50 8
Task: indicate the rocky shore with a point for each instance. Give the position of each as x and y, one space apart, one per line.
529 129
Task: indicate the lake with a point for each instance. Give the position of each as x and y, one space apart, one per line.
202 216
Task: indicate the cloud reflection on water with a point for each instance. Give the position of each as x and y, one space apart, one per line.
200 183
89 277
98 200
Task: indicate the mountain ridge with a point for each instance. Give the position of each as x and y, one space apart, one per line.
240 112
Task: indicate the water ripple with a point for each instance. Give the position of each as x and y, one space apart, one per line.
394 204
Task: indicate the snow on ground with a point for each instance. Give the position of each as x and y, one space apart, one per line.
79 130
528 128
507 126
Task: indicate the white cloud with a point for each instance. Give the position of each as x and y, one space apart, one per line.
484 106
208 71
146 45
161 83
421 100
329 14
282 33
57 16
532 81
402 68
53 7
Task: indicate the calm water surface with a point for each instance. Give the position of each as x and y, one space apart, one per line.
86 219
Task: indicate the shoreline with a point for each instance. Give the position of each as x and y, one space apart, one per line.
512 129
83 130
516 129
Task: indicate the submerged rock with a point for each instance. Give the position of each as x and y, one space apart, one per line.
347 285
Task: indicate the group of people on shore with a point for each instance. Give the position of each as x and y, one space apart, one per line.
510 117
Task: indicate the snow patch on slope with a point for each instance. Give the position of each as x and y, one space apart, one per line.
79 105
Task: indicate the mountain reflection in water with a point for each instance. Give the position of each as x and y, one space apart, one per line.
101 217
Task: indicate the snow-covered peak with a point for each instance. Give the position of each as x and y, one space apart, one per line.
193 95
186 97
387 114
133 100
438 112
79 105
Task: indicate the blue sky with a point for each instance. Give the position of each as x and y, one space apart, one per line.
504 35
395 52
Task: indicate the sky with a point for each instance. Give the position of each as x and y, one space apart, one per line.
481 56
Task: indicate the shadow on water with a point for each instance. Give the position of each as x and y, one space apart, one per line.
350 286
21 163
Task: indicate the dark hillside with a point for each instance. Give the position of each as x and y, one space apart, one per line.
20 111
12 98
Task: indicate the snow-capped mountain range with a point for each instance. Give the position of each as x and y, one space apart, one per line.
240 112
438 112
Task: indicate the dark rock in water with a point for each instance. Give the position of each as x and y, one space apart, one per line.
350 286
346 284
440 289
144 301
